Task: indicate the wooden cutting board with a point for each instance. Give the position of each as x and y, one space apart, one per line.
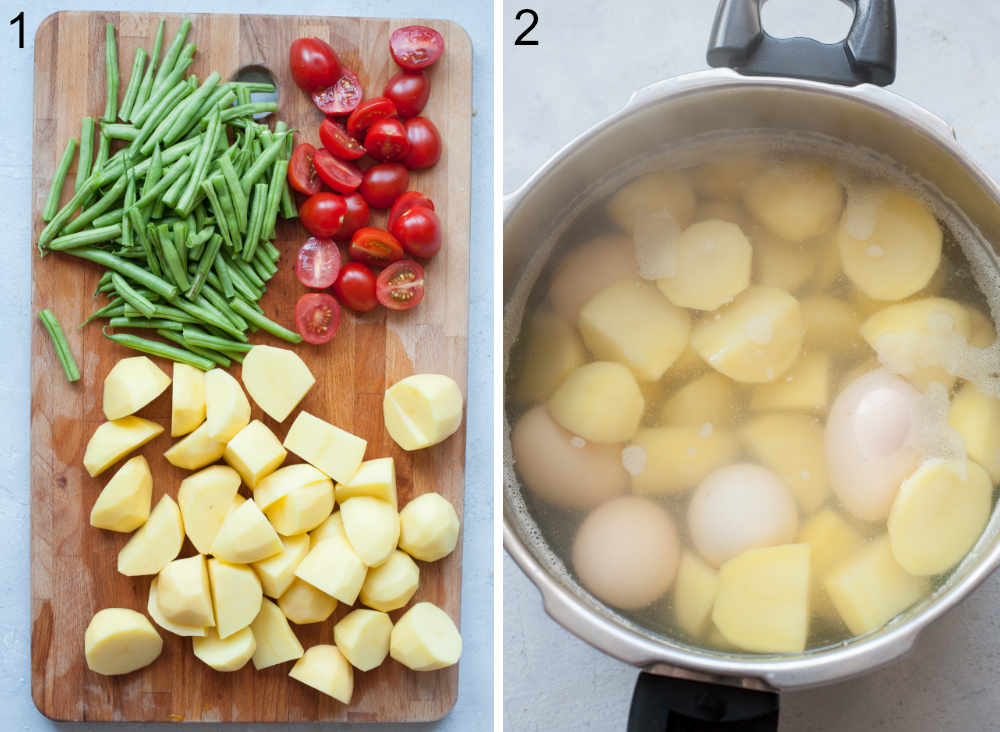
73 571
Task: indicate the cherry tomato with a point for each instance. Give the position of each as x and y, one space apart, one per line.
302 175
357 216
366 113
342 97
355 287
386 140
400 286
317 316
425 143
408 90
419 231
314 64
382 184
323 213
415 46
375 247
405 202
341 175
318 262
335 139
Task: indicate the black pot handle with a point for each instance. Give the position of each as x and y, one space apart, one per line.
866 55
666 704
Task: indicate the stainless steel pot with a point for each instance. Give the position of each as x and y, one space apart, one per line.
662 116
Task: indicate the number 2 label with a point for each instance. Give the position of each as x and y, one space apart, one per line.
522 40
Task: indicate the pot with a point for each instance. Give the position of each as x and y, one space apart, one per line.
795 85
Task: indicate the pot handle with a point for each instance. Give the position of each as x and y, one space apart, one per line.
866 55
666 704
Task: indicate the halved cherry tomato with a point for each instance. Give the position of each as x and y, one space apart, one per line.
314 64
419 231
425 143
335 139
340 175
357 216
302 176
318 262
375 247
355 287
410 199
342 97
400 286
317 316
408 90
386 140
323 213
383 183
366 113
415 46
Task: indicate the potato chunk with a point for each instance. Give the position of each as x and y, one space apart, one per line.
805 387
119 641
325 669
304 508
227 409
114 440
779 263
275 486
711 265
870 588
653 193
276 642
982 334
392 584
255 452
694 595
124 502
794 447
195 450
586 270
336 452
363 637
187 399
832 325
245 536
599 402
726 177
889 241
334 567
372 528
184 594
131 384
421 410
205 499
551 350
428 527
277 379
678 458
236 596
425 639
754 339
762 603
302 603
333 526
225 654
153 608
375 478
156 543
278 572
832 540
795 199
938 515
709 399
976 417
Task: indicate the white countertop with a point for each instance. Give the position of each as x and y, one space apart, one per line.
476 670
592 55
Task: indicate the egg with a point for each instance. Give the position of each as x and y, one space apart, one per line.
626 552
869 442
739 507
563 469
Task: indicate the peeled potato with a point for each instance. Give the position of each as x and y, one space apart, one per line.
372 527
652 193
428 527
976 417
225 654
754 339
275 486
586 270
124 502
600 402
421 410
303 508
236 595
276 573
184 594
205 499
832 541
694 595
156 543
276 642
114 440
392 584
119 641
131 384
551 350
731 211
277 379
187 399
889 241
709 399
831 324
762 604
195 450
245 536
255 452
425 639
982 334
795 199
363 637
153 608
688 365
332 450
375 478
712 265
938 515
676 459
334 567
325 669
827 257
227 409
725 177
333 526
805 387
302 603
794 447
779 263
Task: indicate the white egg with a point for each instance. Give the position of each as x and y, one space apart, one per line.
626 552
869 442
739 507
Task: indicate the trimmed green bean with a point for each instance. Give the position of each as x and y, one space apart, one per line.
110 73
163 350
210 297
127 269
103 204
187 200
209 316
272 251
191 106
110 217
113 309
119 131
168 251
171 57
216 206
134 298
61 345
153 323
127 239
278 175
86 152
222 96
265 323
134 82
139 230
215 356
236 193
146 87
161 107
227 210
247 271
169 178
225 281
205 265
256 221
262 163
198 337
83 238
58 181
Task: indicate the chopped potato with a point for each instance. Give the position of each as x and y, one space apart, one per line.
119 641
976 417
277 573
726 177
708 399
794 447
334 567
336 452
586 270
832 540
236 596
303 508
184 594
419 411
302 603
425 639
114 440
795 199
276 642
832 325
124 503
131 384
275 486
375 478
325 669
225 654
245 536
255 452
372 528
195 450
805 387
227 409
363 637
653 193
552 348
153 608
392 584
599 402
711 266
333 526
277 379
695 588
187 406
982 334
778 263
676 459
156 543
205 499
428 527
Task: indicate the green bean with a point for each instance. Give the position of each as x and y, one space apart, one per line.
191 106
134 82
242 95
119 131
139 230
210 297
168 179
198 337
247 271
163 350
260 269
256 221
170 155
105 279
171 57
163 312
132 297
174 192
216 206
264 323
103 204
215 356
236 193
200 237
262 163
222 96
146 87
127 240
103 148
111 216
123 322
288 207
168 251
278 176
264 260
83 238
248 110
205 265
177 73
58 180
127 269
222 275
62 216
161 107
227 209
60 344
113 309
187 200
111 73
272 251
210 316
86 152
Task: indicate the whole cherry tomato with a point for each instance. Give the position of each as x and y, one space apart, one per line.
357 216
323 213
366 113
425 143
355 287
405 202
386 140
409 91
383 183
314 64
419 231
335 139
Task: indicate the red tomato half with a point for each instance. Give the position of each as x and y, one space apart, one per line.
335 139
408 90
317 316
400 286
340 175
342 97
323 213
357 216
386 140
419 231
314 64
355 287
383 183
425 143
375 247
410 199
366 113
415 46
318 263
302 175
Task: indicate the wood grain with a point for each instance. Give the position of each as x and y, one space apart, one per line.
72 564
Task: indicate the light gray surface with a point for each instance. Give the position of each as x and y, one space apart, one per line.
476 671
592 55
